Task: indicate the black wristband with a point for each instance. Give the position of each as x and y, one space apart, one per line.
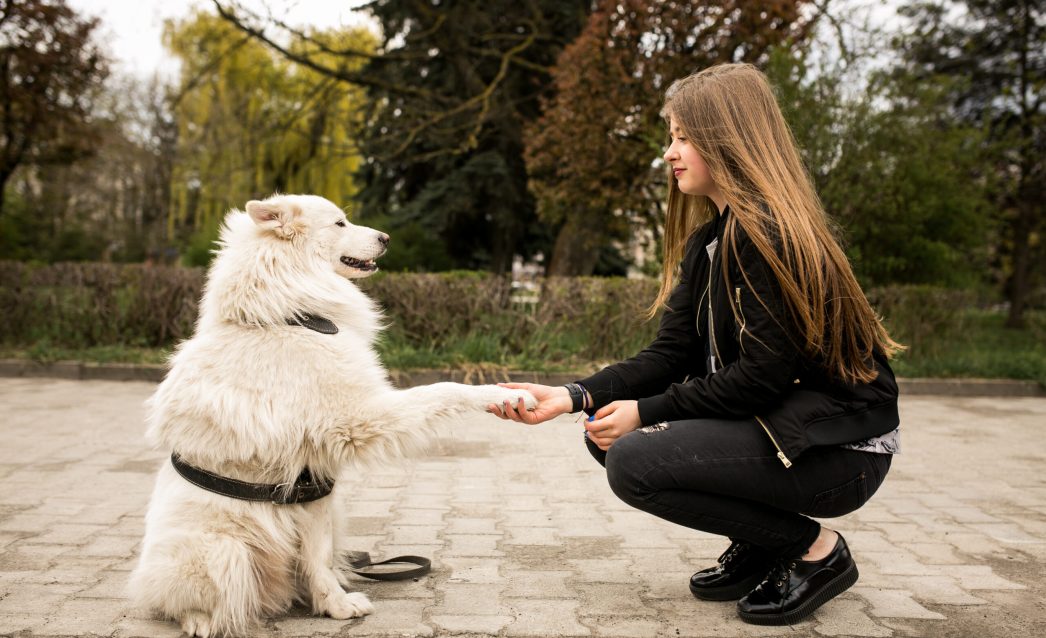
577 397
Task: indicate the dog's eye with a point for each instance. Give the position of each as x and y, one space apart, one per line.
339 223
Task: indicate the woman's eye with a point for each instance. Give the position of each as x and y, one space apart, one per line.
342 224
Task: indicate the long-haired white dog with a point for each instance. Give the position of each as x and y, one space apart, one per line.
280 377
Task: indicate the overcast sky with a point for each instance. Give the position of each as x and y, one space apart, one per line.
132 29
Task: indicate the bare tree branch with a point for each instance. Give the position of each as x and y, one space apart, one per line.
339 73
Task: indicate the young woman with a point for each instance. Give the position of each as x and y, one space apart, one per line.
766 397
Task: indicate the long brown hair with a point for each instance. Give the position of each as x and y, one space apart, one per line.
729 114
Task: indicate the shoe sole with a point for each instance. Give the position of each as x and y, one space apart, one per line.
729 592
832 588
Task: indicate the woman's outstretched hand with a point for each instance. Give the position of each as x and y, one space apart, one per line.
612 422
552 402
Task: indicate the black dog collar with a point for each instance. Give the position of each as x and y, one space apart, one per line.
303 490
314 322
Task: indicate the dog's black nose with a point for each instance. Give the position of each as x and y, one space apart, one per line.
383 239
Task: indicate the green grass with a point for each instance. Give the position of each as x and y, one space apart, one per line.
983 347
45 353
980 346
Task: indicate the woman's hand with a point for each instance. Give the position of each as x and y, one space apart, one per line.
552 402
612 422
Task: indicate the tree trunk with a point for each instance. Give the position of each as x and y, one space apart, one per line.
4 177
1022 228
576 250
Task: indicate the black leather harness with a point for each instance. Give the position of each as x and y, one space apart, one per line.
303 490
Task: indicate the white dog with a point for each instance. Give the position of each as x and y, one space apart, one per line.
276 391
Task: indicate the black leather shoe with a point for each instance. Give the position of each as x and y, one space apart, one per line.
740 569
795 588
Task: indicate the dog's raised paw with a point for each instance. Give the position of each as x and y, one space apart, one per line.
350 605
196 624
513 397
528 400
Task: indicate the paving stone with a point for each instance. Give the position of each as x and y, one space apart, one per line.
934 553
16 623
473 545
846 618
538 617
115 546
413 535
611 599
33 523
392 618
980 577
144 628
110 585
370 508
472 526
459 599
941 590
483 625
414 516
81 616
313 625
894 603
473 570
537 584
532 536
899 561
968 514
972 543
602 570
1006 532
525 518
672 585
624 627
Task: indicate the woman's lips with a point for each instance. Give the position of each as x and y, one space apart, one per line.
677 171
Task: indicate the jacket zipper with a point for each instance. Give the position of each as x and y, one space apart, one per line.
780 453
741 312
711 319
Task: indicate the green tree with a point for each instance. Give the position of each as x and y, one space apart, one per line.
251 123
449 90
995 53
50 72
593 154
900 176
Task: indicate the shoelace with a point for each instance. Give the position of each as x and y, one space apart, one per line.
781 573
731 552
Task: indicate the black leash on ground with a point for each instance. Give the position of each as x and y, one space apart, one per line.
361 563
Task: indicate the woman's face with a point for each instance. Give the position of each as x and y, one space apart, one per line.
690 170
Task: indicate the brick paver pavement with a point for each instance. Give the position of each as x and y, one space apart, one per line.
526 537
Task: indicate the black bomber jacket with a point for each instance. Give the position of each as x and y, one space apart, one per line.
760 369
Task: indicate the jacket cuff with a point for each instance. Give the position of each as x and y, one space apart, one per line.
601 386
656 409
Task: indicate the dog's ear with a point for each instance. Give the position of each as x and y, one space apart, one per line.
282 219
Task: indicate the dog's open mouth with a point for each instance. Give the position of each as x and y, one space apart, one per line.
366 265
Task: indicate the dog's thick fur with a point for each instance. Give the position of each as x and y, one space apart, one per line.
252 398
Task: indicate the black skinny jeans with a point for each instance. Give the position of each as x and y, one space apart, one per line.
724 477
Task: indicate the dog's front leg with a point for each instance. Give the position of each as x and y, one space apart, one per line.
317 546
450 399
